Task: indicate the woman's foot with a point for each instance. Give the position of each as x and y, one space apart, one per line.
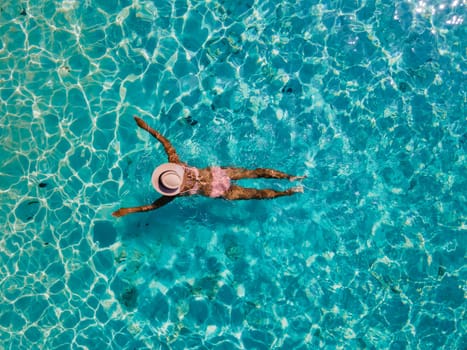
298 189
296 178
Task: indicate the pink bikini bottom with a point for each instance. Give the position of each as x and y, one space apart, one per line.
220 182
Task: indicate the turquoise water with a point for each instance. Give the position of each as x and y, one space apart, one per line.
366 98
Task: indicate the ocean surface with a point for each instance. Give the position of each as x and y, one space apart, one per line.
366 98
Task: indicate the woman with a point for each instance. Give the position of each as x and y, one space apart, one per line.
176 178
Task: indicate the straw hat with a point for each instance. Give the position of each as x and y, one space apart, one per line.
167 179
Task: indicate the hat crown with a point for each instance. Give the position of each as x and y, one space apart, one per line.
171 180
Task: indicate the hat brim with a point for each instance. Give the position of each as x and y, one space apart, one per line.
157 184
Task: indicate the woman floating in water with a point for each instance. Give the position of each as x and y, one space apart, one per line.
176 179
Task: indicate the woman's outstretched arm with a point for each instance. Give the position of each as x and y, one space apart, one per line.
155 205
169 149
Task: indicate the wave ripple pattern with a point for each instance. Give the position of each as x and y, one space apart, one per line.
367 98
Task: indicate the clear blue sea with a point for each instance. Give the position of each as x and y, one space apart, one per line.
366 98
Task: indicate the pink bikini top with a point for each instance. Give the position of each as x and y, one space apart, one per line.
195 187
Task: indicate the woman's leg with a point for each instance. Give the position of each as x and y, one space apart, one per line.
242 173
236 192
